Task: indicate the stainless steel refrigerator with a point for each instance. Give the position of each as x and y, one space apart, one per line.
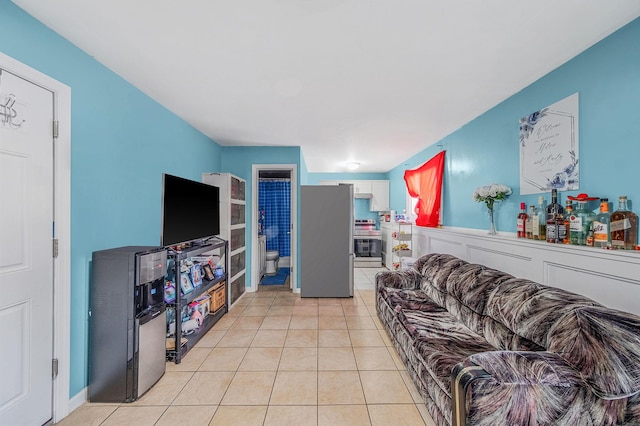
326 241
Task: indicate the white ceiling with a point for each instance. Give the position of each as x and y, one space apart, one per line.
372 81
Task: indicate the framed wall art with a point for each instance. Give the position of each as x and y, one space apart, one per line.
549 148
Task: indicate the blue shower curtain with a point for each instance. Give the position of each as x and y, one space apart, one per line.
274 198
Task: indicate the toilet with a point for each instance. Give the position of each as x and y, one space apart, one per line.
272 262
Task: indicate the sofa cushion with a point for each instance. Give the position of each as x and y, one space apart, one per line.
398 299
468 288
528 388
423 262
405 278
471 285
441 342
504 339
438 268
436 273
530 309
604 346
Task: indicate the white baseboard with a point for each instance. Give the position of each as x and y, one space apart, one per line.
77 400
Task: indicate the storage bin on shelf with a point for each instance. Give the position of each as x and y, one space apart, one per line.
217 294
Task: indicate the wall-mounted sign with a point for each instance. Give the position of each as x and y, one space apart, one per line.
549 148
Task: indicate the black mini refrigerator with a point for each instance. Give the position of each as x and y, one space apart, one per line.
127 322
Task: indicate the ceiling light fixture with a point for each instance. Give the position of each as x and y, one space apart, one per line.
353 166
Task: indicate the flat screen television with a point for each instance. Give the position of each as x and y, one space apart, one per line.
190 210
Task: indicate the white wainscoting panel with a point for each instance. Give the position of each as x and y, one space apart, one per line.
604 288
442 245
610 277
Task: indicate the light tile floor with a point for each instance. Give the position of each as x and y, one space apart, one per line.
278 359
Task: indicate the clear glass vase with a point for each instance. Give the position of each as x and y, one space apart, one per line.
492 225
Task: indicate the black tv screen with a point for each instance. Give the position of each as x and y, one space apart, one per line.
190 210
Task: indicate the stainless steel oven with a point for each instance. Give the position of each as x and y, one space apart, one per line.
367 244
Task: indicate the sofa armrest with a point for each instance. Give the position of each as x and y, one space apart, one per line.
405 278
517 387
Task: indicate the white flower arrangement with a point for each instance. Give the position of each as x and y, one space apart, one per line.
488 194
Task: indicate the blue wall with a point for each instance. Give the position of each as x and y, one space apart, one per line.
486 149
121 143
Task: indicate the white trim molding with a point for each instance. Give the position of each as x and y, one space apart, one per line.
609 277
255 169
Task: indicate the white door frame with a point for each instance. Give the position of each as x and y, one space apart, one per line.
62 217
254 221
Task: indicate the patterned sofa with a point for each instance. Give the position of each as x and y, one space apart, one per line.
486 348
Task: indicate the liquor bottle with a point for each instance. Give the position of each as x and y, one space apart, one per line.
555 215
522 220
581 226
590 236
624 226
561 228
566 222
601 236
528 226
540 221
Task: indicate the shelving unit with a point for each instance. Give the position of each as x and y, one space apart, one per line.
401 236
177 343
232 226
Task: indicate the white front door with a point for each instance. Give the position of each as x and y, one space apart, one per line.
26 262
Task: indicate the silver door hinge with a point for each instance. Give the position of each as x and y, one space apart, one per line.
56 126
54 367
55 248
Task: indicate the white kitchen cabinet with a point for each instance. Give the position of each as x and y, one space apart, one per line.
380 200
379 190
361 186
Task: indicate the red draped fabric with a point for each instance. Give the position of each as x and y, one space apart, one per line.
425 183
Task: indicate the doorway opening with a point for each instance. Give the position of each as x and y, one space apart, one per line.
273 213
